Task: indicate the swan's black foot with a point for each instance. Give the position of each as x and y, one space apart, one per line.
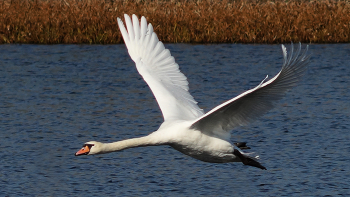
242 145
248 161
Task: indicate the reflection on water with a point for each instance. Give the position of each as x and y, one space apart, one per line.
55 98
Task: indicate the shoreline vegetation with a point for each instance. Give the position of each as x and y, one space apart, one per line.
183 21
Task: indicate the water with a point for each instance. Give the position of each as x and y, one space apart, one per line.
54 98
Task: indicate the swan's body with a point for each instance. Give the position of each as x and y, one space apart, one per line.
186 128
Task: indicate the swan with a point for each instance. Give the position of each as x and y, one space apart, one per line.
186 128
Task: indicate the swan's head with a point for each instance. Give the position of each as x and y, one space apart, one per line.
90 148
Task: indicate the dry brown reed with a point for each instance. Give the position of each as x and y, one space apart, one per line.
200 21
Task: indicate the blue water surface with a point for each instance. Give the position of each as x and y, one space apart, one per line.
56 97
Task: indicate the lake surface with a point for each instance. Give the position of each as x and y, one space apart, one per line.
56 97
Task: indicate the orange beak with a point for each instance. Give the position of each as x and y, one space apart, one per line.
83 151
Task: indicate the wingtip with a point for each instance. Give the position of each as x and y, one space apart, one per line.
134 17
283 47
120 22
284 50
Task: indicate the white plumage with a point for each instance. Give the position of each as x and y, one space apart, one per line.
186 128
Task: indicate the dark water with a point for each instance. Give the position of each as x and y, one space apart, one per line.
55 98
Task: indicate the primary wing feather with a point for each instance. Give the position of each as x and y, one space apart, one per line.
159 69
255 102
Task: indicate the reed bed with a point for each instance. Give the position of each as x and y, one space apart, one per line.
201 21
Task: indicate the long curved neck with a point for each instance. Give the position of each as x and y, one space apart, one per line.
129 143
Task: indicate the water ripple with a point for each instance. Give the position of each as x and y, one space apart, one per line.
56 97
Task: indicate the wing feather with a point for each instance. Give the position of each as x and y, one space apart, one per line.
136 26
159 69
255 102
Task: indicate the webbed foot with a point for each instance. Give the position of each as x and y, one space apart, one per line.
242 145
248 161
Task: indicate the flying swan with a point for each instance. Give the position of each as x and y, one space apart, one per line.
186 128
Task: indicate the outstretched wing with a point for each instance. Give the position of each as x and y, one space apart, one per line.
159 69
254 102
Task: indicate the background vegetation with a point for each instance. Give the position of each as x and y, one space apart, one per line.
197 21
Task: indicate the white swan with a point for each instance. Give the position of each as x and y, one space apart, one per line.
186 128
